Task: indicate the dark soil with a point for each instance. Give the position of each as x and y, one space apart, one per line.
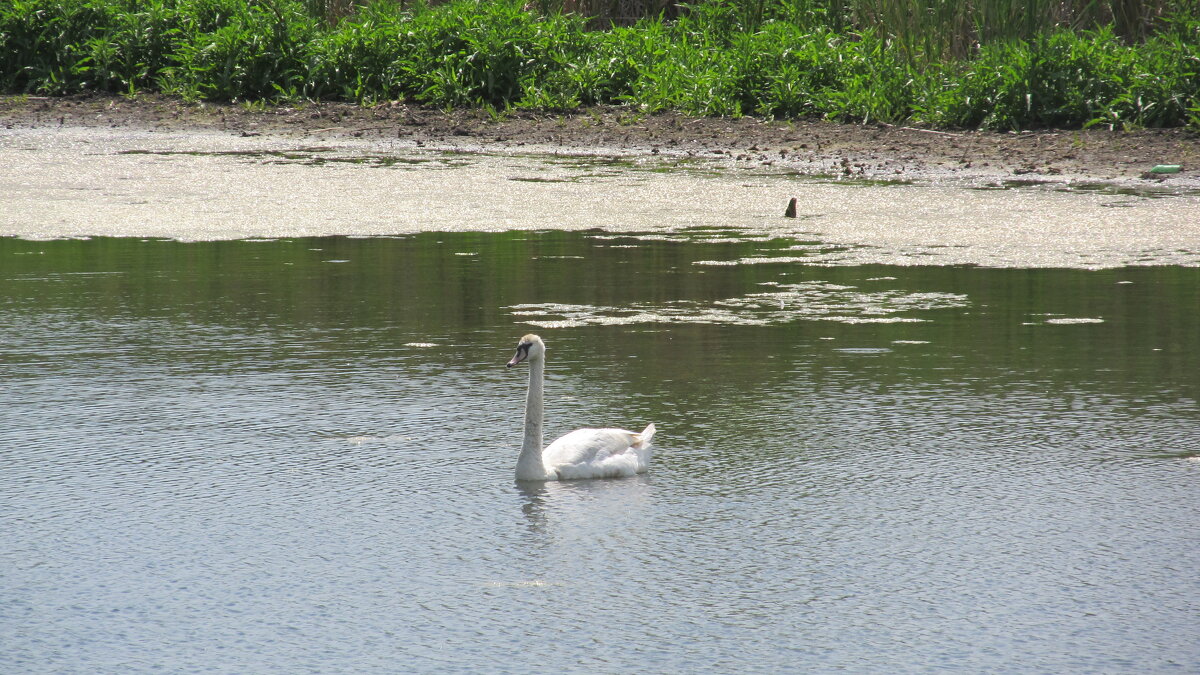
875 151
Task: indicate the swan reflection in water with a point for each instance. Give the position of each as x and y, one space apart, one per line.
582 505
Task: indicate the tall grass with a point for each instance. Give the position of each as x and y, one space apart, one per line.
941 29
948 64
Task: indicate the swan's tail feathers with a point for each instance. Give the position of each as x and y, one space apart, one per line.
644 438
642 449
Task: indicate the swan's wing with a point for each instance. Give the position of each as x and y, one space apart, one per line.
599 453
587 445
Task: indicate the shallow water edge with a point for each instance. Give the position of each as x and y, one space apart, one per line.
205 186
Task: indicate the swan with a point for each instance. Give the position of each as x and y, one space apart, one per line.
583 453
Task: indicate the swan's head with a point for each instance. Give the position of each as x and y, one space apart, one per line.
530 347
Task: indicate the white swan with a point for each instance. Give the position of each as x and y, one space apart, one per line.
583 453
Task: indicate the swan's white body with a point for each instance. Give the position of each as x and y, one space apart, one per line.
583 453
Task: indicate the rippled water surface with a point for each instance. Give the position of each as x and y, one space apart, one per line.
296 456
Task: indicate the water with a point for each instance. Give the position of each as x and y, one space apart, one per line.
292 456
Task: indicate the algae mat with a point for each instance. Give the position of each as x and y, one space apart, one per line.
75 182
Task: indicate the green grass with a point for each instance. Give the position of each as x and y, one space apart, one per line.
1000 64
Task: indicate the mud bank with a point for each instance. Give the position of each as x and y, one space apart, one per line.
876 151
187 180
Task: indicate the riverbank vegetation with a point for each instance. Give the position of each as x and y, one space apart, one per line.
997 64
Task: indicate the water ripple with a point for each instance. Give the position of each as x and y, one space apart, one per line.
323 481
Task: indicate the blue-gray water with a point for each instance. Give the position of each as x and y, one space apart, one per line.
296 456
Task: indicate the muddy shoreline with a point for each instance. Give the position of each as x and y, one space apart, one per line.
113 167
875 151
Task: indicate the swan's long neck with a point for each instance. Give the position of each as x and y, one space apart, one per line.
529 463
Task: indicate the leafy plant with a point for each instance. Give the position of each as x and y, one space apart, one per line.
1003 64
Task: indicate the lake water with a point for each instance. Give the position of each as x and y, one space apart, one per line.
297 455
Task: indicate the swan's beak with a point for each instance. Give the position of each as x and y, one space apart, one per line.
522 353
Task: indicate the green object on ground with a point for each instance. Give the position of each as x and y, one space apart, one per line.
1166 168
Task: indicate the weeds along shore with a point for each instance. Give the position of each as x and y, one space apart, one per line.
993 64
